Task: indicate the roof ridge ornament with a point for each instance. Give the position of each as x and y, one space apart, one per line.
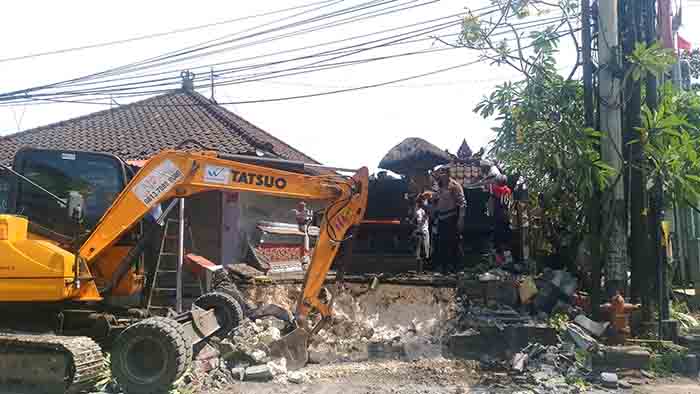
187 80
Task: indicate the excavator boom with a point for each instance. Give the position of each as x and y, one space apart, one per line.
176 174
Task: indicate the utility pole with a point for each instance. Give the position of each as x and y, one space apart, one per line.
589 113
614 230
665 326
657 199
639 232
587 63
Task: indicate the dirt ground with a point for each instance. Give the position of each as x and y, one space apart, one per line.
423 377
674 386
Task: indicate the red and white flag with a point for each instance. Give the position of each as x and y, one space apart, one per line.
683 45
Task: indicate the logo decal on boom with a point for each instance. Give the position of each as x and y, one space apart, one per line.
251 178
216 174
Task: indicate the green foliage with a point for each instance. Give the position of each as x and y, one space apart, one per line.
581 357
670 137
651 59
666 359
471 30
542 138
681 313
578 382
541 135
558 322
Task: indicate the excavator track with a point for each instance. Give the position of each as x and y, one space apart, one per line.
38 363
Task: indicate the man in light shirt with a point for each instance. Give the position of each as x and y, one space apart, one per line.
422 220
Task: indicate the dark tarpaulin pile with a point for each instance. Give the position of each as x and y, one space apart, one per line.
414 155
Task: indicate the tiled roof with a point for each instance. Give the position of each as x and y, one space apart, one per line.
138 130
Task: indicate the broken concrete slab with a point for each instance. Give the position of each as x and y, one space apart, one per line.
519 362
472 344
621 357
499 341
691 365
258 373
609 380
593 327
522 335
242 352
581 338
691 341
297 377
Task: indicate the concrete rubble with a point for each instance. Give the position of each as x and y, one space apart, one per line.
534 341
390 322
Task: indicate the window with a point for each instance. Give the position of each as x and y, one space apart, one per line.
98 178
4 193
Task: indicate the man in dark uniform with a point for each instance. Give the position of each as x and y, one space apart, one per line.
450 210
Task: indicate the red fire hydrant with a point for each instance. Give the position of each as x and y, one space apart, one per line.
619 312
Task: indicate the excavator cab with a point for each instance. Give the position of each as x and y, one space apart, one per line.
95 178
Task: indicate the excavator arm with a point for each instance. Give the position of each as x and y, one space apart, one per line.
177 174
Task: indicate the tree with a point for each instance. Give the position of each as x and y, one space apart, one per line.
541 134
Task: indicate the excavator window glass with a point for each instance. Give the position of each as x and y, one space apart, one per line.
98 178
4 192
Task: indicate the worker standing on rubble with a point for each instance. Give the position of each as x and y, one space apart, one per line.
450 211
501 197
422 232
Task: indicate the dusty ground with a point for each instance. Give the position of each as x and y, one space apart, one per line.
671 386
424 377
427 376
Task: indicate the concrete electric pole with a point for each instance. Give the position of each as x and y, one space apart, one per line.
611 145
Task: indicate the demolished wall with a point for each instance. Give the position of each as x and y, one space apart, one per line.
411 319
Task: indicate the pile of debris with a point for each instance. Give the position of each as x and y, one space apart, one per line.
243 356
534 333
370 322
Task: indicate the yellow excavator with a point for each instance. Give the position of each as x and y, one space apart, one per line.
71 286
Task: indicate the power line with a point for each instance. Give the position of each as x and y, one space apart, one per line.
91 76
319 94
269 54
154 35
178 58
400 41
139 65
230 81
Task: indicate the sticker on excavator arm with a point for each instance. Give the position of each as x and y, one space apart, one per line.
217 174
158 182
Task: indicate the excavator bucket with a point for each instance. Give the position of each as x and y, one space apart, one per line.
293 347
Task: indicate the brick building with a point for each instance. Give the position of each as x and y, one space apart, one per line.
136 131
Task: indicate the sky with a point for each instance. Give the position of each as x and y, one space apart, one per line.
346 130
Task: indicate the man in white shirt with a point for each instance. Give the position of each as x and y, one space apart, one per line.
422 232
